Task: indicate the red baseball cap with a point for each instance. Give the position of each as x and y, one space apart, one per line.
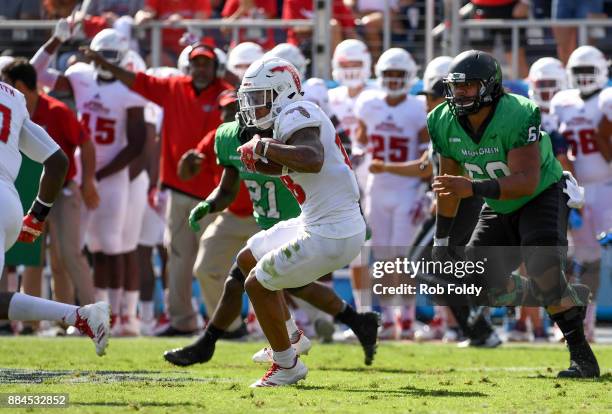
227 97
202 50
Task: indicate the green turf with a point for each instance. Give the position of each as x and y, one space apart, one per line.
404 378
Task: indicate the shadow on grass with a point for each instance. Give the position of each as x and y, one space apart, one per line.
364 370
604 378
401 391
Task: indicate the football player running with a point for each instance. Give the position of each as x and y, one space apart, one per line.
19 133
393 124
114 115
583 115
329 232
496 138
272 203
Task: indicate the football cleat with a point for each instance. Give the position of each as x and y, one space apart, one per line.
491 341
191 354
583 363
279 376
301 345
94 321
366 331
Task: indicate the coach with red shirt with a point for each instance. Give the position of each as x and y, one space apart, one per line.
190 112
64 224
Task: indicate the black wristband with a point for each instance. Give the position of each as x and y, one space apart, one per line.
487 189
39 210
443 226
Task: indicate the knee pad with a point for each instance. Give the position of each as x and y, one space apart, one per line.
540 259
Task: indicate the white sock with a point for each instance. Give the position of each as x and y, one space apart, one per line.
284 359
388 310
291 326
589 320
30 308
130 301
101 295
114 298
147 312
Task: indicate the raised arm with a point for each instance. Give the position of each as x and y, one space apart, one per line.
124 76
49 77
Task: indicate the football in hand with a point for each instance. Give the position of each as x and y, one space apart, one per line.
270 167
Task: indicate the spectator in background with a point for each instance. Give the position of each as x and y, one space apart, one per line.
371 15
114 8
251 9
20 9
172 11
56 9
572 9
502 9
342 24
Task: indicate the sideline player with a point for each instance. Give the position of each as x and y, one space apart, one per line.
114 116
512 166
392 123
581 116
19 133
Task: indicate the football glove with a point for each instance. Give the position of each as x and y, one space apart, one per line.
30 229
197 214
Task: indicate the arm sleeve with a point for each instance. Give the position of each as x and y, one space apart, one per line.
152 88
605 103
229 8
35 142
47 77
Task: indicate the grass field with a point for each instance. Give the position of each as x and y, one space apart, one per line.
415 378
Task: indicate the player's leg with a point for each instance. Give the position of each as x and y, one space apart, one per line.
543 239
65 229
219 245
182 244
364 325
131 230
296 263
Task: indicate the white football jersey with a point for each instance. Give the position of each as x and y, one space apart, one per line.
578 121
330 196
343 106
605 103
549 122
102 108
19 133
393 135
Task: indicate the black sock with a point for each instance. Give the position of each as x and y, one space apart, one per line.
571 323
210 337
347 315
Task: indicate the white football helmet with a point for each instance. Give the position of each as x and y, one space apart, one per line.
436 71
112 46
315 90
221 62
547 76
351 50
587 69
271 83
133 62
291 54
400 60
241 57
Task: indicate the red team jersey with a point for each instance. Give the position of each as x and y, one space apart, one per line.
62 125
187 118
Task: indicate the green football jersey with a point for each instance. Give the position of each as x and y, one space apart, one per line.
272 202
515 123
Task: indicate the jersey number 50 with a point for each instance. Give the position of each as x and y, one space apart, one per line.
104 129
6 123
